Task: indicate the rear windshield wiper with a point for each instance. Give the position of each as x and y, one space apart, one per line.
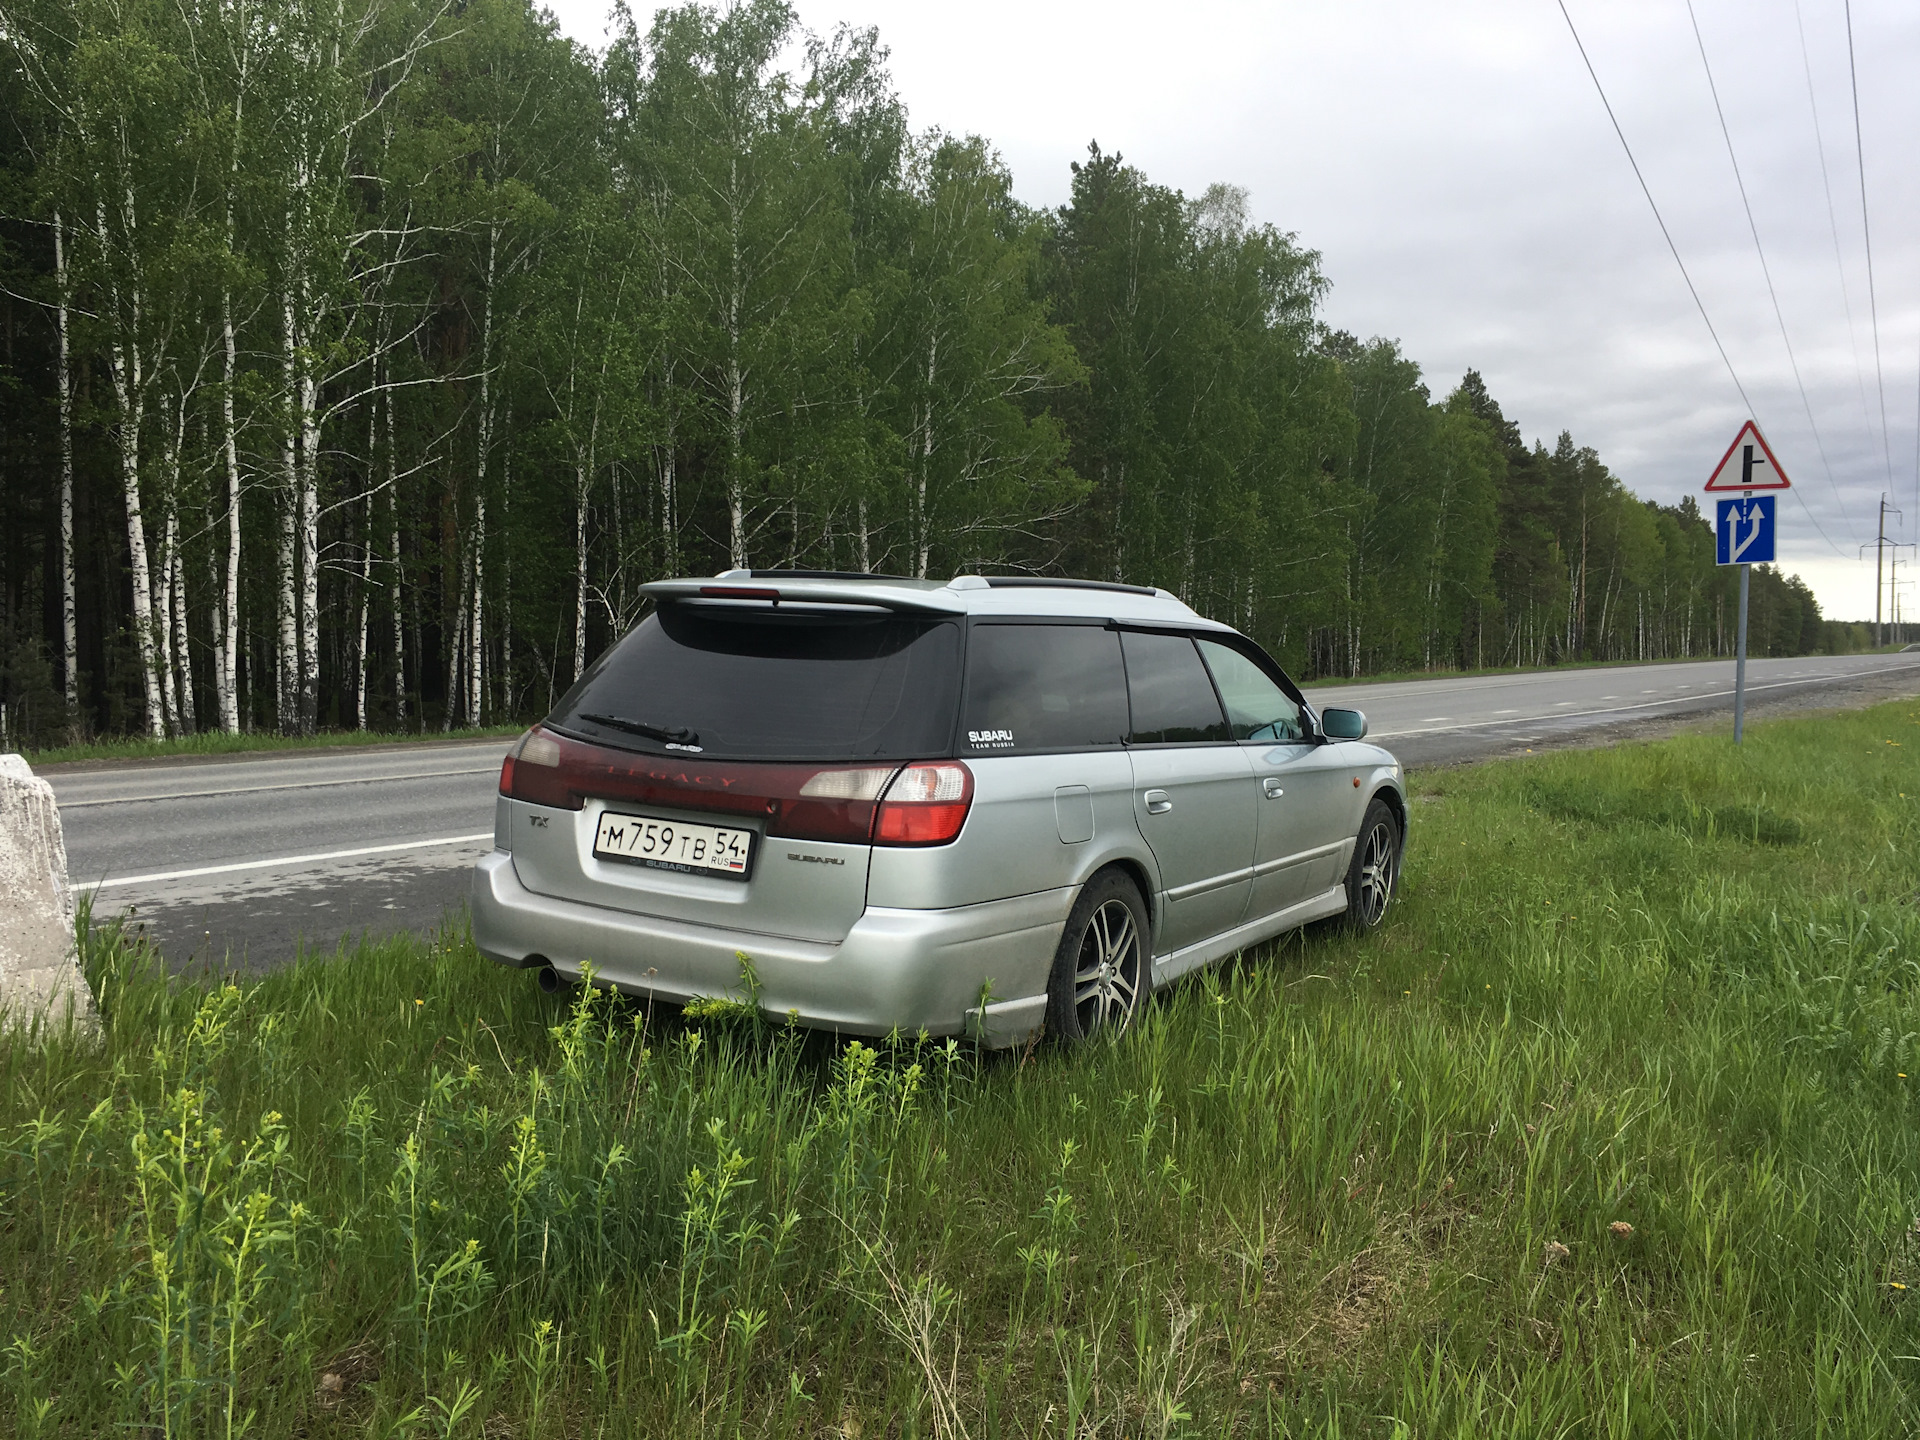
680 736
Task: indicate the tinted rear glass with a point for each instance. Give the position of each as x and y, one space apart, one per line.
1043 687
1173 699
776 685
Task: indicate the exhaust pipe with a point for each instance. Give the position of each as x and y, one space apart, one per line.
548 979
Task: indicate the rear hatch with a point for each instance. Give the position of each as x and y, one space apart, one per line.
723 763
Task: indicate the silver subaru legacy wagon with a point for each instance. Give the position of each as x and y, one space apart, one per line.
993 806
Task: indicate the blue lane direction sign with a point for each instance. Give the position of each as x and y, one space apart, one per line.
1743 530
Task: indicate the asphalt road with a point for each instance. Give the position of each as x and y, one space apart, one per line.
242 862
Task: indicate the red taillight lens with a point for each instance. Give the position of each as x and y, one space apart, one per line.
535 748
832 805
798 802
926 805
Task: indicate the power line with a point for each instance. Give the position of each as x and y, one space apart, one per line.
1766 270
1674 249
1866 230
1833 221
1657 217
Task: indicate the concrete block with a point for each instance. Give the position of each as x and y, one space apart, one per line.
41 984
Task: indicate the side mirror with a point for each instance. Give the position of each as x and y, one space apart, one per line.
1338 724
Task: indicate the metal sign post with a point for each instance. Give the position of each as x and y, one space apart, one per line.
1744 533
1740 667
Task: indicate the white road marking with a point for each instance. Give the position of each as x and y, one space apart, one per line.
1431 719
1506 712
257 789
160 875
1646 704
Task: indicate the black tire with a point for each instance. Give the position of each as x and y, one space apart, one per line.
1103 970
1374 871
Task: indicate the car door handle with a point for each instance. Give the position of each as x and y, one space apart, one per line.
1272 787
1158 802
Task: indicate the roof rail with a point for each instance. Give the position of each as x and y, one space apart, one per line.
1048 582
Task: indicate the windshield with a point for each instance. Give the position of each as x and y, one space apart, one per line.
772 684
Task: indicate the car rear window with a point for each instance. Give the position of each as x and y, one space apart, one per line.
773 684
1173 699
1043 687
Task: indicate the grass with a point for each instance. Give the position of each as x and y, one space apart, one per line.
1610 1131
214 742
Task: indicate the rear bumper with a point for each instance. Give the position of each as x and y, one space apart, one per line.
897 969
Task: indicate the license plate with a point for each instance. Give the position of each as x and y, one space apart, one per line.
675 845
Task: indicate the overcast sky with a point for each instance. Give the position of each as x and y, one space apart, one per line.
1454 167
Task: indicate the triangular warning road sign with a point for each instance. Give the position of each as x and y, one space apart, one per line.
1748 464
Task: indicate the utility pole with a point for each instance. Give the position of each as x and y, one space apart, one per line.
1880 546
1879 562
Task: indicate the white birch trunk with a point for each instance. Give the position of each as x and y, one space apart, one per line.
922 521
475 636
394 591
501 675
579 570
227 616
126 387
736 410
286 658
182 653
69 628
669 478
476 633
309 555
360 638
163 616
227 620
129 393
456 640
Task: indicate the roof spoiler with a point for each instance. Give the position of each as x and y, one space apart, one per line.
840 592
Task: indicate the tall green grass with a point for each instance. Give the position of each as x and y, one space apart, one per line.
1610 1131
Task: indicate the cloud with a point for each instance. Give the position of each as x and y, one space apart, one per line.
1454 167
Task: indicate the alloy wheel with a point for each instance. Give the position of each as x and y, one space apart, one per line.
1376 873
1106 977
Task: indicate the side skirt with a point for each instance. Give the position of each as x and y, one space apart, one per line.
1241 937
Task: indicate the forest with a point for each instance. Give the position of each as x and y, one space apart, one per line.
361 359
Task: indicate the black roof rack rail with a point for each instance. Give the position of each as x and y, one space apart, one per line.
1048 582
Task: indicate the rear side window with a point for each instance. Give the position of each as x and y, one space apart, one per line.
773 684
1257 709
1173 700
1043 687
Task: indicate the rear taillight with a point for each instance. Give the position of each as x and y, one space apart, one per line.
830 805
926 804
536 748
797 802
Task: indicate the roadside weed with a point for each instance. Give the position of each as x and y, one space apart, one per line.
1608 1131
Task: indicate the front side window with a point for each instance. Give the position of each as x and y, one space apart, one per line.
1042 687
1257 709
1173 700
